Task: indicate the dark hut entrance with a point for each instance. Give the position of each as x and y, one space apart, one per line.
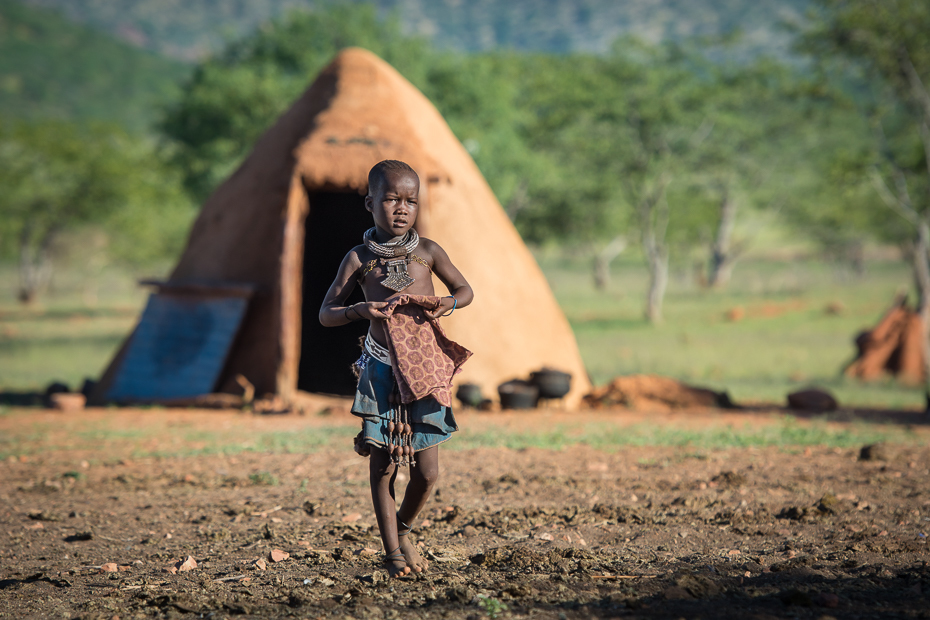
334 225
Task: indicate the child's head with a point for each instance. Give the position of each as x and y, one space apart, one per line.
393 189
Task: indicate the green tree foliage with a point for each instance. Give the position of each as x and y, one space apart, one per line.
869 115
52 68
876 57
232 99
58 177
657 142
579 148
884 51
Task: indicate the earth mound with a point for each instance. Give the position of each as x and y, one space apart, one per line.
653 392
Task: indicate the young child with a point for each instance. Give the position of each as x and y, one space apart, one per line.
407 363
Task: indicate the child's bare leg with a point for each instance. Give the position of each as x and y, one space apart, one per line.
382 473
423 478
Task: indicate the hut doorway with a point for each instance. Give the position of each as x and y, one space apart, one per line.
334 225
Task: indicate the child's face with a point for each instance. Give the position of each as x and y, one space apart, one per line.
395 206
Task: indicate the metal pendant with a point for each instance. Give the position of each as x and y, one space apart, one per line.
397 279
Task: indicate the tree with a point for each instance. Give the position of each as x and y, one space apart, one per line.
751 127
620 128
232 98
58 176
885 53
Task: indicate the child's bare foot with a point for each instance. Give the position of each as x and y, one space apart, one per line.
361 448
395 564
414 560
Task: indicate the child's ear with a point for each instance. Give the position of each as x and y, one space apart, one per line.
368 203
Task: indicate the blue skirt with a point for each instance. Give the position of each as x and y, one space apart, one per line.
432 423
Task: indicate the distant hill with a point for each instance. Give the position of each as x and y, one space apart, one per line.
189 29
52 67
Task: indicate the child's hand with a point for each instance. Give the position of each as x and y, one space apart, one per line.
370 310
446 304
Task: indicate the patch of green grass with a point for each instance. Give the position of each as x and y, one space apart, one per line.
608 437
154 439
492 607
786 340
264 479
70 333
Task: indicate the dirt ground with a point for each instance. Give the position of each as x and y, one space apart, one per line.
639 533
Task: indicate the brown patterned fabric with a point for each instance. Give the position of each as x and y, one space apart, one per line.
422 356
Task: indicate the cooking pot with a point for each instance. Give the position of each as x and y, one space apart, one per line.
518 394
469 394
551 383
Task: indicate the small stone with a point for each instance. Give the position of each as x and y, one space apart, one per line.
277 555
260 564
735 314
67 401
545 536
470 531
875 452
813 399
172 569
109 567
189 564
367 552
352 518
834 308
828 504
827 599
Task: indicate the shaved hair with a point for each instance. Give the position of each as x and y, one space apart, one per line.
378 174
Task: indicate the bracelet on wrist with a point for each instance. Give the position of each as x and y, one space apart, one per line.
455 302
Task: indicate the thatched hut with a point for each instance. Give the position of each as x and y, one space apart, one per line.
268 242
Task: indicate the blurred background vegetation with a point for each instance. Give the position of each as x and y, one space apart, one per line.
669 161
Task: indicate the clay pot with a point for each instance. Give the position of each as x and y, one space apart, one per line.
518 394
469 394
551 383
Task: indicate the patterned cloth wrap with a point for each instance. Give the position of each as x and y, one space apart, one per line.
424 361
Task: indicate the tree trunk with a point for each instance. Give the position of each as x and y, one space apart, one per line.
658 282
602 260
654 220
722 256
35 264
921 264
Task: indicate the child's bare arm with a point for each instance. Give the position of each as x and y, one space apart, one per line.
459 289
334 312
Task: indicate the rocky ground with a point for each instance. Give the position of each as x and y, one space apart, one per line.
640 533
